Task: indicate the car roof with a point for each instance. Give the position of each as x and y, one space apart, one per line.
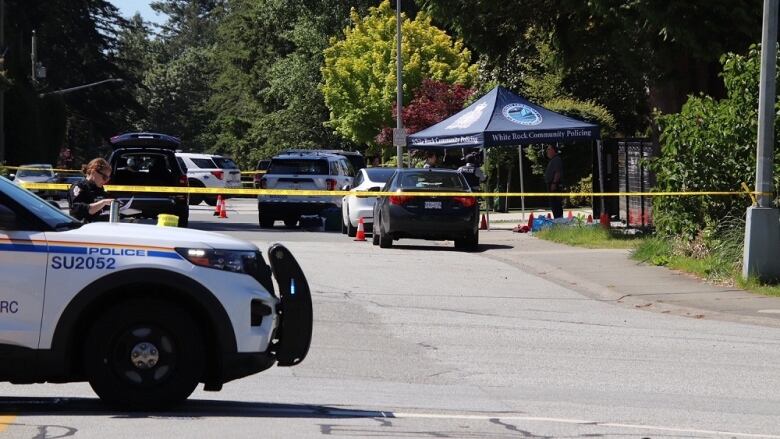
148 140
322 151
37 165
437 170
309 155
196 155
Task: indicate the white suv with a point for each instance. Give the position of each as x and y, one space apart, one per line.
208 170
302 171
144 313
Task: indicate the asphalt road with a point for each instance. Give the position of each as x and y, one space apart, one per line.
423 341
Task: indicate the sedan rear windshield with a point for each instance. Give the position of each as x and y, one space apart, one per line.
430 181
299 166
35 172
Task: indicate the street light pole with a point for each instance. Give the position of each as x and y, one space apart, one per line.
762 224
399 123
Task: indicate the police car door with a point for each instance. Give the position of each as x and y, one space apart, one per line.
23 259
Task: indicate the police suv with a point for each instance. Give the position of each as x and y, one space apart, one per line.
144 313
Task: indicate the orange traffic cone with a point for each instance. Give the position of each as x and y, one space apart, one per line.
531 221
590 219
604 220
483 223
570 216
361 233
218 207
223 210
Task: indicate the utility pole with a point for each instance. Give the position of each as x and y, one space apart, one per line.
399 136
2 89
762 225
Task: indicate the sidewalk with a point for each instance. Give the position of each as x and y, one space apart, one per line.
611 276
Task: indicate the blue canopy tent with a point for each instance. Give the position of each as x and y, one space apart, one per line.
502 118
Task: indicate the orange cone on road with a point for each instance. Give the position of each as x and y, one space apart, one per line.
570 216
218 206
483 223
223 210
590 219
361 232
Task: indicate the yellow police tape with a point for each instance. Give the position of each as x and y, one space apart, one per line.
312 193
44 169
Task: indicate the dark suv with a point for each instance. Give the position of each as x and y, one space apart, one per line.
148 159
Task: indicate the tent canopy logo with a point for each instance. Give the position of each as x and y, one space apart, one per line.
522 114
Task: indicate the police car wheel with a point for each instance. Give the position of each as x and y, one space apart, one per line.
375 238
144 354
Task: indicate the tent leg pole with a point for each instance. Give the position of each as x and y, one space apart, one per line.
522 185
487 201
601 175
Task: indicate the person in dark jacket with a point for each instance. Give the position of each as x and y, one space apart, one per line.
87 198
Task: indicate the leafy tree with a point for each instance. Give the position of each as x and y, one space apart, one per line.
359 78
266 93
710 146
669 48
433 102
77 42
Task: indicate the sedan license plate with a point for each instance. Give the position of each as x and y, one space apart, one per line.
433 204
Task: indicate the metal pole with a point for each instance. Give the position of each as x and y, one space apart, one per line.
762 222
522 180
601 175
766 103
489 198
399 124
33 57
2 90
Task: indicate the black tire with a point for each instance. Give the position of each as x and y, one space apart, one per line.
290 222
375 239
385 241
195 199
351 230
343 227
265 221
151 328
184 216
468 244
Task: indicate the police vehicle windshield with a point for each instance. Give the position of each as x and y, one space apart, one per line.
41 208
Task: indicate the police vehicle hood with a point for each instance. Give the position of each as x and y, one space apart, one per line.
149 235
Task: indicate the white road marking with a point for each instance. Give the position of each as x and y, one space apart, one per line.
769 311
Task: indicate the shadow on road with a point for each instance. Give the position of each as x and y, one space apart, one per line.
194 408
440 248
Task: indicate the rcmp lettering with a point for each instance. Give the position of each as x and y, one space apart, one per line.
9 307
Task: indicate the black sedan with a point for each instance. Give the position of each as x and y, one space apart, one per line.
400 214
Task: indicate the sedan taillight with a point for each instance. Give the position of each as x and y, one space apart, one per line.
183 180
330 184
399 200
466 201
218 174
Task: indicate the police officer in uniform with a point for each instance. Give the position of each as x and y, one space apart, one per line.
87 197
472 172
